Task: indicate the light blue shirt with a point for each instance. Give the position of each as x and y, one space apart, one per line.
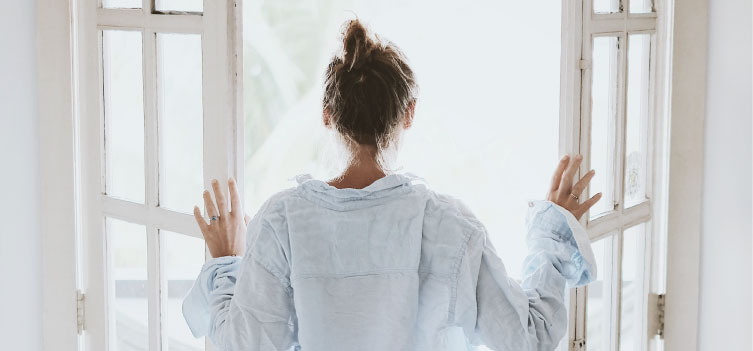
393 266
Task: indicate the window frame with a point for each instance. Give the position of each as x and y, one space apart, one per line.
616 221
218 27
579 25
63 107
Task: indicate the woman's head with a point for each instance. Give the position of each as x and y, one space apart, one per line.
369 90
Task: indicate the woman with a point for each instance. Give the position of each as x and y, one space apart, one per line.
373 260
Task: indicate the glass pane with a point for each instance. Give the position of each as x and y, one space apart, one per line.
287 46
598 306
606 6
179 5
121 4
641 6
124 114
636 134
631 301
184 257
181 128
603 121
129 323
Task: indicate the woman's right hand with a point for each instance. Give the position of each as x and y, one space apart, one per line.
564 193
225 234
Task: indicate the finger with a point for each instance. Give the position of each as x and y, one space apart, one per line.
557 177
247 219
203 225
567 179
590 202
235 200
209 204
581 185
219 196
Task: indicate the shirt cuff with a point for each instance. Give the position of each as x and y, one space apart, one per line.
546 218
196 308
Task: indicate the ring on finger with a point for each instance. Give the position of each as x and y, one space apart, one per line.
574 196
214 218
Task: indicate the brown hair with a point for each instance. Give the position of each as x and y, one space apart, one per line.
368 88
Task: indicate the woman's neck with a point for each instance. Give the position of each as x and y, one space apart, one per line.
363 170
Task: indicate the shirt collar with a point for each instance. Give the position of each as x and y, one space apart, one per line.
388 185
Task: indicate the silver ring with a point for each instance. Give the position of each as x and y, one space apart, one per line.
574 196
214 218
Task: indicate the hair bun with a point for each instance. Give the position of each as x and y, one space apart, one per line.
356 44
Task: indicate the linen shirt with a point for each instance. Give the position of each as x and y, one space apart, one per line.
392 266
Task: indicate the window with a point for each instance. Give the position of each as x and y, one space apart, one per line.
175 93
619 138
156 108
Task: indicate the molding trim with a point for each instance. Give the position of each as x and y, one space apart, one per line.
57 143
687 113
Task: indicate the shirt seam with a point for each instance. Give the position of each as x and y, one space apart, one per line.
280 277
365 273
455 276
342 204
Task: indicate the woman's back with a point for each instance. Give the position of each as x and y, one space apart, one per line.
374 266
393 266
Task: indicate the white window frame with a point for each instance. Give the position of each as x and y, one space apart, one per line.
218 25
665 211
619 25
67 103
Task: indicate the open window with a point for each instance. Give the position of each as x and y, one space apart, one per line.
156 83
621 133
168 95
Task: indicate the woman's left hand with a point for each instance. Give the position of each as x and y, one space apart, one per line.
562 191
225 234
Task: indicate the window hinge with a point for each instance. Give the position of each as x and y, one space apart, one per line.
80 300
656 322
579 345
584 64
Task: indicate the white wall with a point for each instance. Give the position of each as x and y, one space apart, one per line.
725 306
20 236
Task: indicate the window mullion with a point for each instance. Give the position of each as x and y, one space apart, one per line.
147 6
221 91
130 18
616 290
619 132
645 280
154 287
151 121
153 166
215 90
579 311
652 117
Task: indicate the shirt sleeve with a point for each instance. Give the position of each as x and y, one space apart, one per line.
245 304
530 315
